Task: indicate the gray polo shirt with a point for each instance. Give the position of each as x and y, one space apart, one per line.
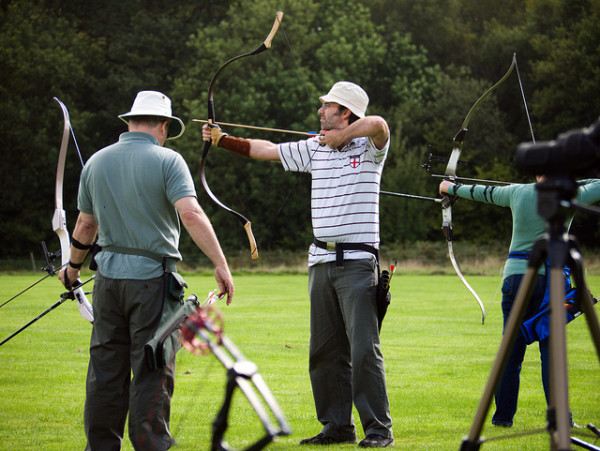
130 187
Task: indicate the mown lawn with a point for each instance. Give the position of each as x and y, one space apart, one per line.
438 359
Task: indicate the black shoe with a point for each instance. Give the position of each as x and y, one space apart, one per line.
502 424
322 439
376 441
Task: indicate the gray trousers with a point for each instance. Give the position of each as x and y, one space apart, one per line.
126 314
345 361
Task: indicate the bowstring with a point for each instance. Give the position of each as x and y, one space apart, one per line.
76 145
310 155
289 44
497 289
533 139
524 100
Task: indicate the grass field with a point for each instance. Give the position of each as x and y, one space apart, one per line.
438 359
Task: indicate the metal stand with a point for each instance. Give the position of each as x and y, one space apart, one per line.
561 250
200 331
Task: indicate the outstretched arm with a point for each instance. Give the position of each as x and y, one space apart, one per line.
257 149
495 195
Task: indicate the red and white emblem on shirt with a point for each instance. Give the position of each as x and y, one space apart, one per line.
354 161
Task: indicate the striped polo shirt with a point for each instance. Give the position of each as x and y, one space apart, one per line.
344 193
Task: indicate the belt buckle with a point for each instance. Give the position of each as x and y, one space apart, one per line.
331 246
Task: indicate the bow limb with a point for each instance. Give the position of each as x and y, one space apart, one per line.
450 174
244 221
460 136
482 98
59 220
266 44
447 229
447 202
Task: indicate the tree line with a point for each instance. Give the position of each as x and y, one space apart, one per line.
422 63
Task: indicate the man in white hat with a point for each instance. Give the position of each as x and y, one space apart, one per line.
132 194
346 161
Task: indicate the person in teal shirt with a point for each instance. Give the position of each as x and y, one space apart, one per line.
133 195
528 227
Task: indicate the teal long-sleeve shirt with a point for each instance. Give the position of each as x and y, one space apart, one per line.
528 226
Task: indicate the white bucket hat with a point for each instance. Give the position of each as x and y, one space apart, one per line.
349 95
153 103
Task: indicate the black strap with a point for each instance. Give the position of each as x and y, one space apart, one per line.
339 249
519 255
78 245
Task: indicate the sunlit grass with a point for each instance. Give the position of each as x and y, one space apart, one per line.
438 359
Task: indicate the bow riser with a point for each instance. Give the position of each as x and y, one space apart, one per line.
59 219
453 160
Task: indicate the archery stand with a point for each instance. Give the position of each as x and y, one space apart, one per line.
200 330
561 250
196 335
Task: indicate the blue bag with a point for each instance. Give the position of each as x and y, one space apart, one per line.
537 327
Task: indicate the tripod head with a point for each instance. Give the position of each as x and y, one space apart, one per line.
554 193
572 154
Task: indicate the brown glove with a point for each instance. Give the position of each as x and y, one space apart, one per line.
216 134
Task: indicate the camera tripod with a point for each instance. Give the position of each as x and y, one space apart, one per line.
554 201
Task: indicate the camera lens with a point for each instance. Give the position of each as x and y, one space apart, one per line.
576 154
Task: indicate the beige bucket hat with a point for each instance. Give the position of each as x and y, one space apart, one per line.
154 103
349 95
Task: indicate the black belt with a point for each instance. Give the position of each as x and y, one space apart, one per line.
339 249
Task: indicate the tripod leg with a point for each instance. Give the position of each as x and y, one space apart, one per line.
558 411
471 442
592 320
587 305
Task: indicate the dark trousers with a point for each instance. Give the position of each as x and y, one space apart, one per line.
126 314
507 393
345 361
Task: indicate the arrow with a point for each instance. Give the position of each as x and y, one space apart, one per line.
255 127
410 196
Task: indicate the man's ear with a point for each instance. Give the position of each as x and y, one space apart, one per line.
164 128
346 114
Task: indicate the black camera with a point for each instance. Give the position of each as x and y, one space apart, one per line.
574 154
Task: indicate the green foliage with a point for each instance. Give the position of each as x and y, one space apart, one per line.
567 70
423 64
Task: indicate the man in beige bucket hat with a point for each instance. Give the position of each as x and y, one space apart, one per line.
133 195
155 104
349 95
346 162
